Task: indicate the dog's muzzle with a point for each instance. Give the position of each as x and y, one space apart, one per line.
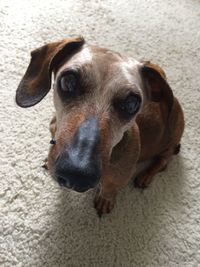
79 166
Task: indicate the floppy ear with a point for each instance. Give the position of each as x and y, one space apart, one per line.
155 84
36 82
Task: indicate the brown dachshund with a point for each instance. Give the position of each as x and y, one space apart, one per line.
112 113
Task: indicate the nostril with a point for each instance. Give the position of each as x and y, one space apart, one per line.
64 182
61 181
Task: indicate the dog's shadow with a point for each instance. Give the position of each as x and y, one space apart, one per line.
134 234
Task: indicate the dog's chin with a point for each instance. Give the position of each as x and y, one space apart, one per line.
82 190
77 189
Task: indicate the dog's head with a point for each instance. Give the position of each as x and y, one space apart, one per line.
97 95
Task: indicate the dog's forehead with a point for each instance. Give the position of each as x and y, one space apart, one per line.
115 63
104 62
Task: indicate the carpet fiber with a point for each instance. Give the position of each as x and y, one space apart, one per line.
43 225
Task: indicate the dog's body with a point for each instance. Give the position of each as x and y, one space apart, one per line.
112 112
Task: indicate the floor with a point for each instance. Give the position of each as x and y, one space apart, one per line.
43 225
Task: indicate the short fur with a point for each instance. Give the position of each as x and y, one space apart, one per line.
153 134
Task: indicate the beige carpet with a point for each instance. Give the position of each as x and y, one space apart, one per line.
43 225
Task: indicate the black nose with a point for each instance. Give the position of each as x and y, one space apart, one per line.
79 166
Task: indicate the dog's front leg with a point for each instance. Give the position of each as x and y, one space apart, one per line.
118 172
106 194
52 129
52 126
112 181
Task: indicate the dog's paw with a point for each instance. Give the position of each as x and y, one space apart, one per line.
45 165
142 181
103 205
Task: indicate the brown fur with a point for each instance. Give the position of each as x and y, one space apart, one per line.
153 134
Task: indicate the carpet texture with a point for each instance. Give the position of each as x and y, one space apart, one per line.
43 225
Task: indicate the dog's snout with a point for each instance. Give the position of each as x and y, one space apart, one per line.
78 167
86 139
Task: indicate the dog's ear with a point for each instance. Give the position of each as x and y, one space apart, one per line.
36 82
155 84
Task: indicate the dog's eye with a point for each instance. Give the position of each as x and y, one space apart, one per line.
129 106
68 84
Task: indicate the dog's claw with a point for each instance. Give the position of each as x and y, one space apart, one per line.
45 165
102 205
141 182
99 214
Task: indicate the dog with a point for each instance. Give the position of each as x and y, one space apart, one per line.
112 113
